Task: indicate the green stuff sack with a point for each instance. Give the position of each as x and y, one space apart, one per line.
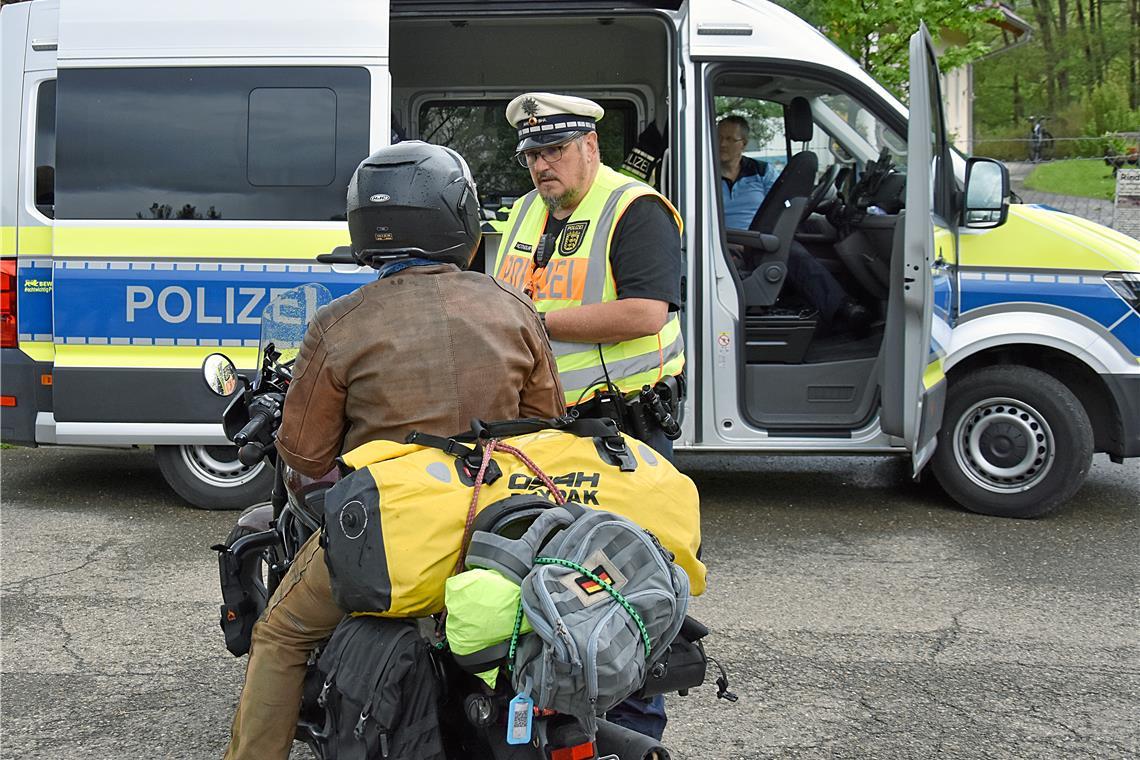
481 610
393 528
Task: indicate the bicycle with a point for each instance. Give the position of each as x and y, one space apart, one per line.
1040 139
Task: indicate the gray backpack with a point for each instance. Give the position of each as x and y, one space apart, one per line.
604 598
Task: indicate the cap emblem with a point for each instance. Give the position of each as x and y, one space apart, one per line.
380 198
530 108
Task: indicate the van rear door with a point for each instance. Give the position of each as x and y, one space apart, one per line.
30 32
914 384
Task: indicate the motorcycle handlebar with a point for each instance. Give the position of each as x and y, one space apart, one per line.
258 420
251 453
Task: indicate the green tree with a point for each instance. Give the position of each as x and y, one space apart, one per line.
877 34
1080 69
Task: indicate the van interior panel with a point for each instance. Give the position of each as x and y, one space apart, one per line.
839 394
488 57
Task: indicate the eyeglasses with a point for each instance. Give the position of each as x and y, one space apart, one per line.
728 139
550 155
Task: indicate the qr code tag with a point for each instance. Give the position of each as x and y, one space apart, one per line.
520 716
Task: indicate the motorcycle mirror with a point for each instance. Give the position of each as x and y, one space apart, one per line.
342 254
220 374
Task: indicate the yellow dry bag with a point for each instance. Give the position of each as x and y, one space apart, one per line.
394 526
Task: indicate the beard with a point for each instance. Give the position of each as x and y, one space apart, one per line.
554 202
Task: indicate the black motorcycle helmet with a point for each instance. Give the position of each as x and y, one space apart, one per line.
413 199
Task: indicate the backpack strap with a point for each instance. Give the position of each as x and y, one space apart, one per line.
515 557
468 444
583 427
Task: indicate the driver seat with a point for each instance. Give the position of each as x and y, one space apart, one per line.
798 177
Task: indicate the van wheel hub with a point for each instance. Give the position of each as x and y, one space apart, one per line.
218 465
1004 445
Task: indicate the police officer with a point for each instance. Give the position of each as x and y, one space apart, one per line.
600 255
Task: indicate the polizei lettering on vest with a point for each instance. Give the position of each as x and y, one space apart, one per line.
572 486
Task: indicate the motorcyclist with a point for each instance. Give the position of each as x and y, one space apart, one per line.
427 346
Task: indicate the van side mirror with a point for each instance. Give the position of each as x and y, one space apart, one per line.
987 194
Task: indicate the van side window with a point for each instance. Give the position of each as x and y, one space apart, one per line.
45 149
298 156
246 143
762 123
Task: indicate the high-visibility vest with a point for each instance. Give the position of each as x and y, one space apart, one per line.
578 273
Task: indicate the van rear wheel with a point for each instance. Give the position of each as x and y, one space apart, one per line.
1015 442
212 477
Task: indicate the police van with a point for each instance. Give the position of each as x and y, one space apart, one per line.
166 168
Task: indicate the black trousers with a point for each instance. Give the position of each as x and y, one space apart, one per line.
814 282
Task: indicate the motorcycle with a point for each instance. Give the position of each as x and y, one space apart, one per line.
261 546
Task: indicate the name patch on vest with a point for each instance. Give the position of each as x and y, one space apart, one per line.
524 247
572 235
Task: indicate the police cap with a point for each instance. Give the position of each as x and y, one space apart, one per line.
544 118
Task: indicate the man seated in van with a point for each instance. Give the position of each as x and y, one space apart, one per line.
744 184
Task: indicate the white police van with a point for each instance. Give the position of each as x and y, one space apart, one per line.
165 168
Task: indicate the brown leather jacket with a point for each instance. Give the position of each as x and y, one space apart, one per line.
427 349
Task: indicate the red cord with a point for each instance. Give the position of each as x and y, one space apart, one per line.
492 445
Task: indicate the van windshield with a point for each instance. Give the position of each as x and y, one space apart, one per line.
858 130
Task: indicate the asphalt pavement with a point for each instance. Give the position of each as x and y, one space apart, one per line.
858 615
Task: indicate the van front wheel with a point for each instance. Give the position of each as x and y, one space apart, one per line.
212 477
1015 442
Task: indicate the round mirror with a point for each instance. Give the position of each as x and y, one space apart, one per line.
220 374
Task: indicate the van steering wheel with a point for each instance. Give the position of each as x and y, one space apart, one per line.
820 191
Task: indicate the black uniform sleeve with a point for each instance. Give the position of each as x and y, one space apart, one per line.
646 253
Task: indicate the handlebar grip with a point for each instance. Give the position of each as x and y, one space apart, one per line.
259 419
251 453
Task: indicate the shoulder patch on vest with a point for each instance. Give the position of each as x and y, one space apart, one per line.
572 235
524 247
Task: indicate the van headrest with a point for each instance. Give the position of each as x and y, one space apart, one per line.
797 120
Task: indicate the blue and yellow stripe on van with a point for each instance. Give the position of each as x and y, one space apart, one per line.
122 316
130 294
1046 257
141 308
1084 294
